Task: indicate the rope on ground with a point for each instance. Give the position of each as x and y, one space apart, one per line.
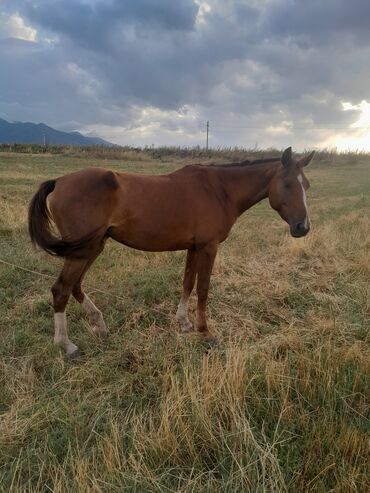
90 288
25 269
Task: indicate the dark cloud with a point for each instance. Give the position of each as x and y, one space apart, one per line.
169 65
317 21
98 25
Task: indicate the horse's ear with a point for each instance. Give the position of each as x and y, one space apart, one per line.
286 158
306 160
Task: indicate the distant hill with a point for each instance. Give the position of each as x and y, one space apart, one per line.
39 133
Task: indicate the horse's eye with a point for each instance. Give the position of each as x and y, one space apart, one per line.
287 186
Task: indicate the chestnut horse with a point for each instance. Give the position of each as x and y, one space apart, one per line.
190 209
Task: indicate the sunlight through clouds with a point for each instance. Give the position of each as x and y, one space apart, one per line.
13 26
360 139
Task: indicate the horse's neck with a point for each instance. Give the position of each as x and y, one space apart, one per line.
249 184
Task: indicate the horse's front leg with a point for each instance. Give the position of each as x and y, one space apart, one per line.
204 269
188 285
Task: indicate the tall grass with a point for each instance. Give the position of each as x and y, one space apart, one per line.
173 153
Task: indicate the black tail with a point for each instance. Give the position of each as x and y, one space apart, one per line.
39 227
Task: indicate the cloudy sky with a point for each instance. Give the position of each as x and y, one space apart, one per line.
266 73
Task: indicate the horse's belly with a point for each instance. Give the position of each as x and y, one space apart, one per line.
153 239
165 223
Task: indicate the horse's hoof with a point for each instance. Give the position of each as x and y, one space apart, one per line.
100 331
75 355
210 341
187 327
103 334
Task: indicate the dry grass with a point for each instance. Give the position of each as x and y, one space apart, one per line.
281 405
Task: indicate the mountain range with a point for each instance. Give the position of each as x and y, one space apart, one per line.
39 133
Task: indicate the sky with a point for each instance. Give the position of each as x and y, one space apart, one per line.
264 73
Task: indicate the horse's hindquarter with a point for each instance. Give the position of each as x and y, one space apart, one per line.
83 201
166 212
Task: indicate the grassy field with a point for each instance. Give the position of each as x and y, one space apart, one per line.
280 406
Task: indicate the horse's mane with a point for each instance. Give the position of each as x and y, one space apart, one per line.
247 162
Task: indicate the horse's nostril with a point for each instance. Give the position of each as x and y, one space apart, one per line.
299 229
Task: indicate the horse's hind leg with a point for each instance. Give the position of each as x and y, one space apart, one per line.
61 290
94 315
188 285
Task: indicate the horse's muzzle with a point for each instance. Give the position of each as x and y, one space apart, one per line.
299 229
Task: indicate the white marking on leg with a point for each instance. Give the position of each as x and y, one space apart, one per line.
95 316
300 179
61 336
182 314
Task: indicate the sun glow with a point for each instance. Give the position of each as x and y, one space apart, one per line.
356 139
13 26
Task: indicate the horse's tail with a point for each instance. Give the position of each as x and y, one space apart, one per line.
39 227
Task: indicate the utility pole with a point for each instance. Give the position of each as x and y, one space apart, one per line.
207 134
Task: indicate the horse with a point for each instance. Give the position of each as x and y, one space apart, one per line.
193 209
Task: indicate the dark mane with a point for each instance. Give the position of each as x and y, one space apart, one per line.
266 160
247 162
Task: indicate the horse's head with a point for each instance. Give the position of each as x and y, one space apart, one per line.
287 193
